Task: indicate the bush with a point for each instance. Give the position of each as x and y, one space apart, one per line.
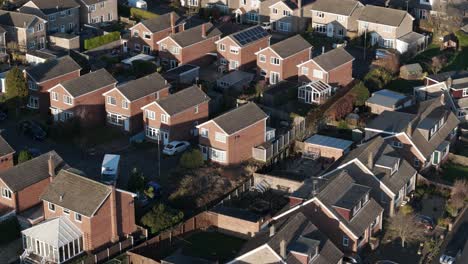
443 222
161 217
191 159
24 156
377 79
361 94
342 124
141 14
451 210
406 209
137 181
95 42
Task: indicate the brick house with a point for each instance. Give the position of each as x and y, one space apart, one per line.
293 239
61 16
422 134
44 76
189 46
278 61
230 137
343 210
98 11
124 102
175 117
237 51
22 185
81 215
335 18
26 30
288 17
146 34
6 154
334 67
81 98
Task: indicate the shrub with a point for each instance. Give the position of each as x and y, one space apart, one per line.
161 217
95 42
443 222
451 210
191 159
377 78
24 156
406 209
10 230
141 14
361 94
137 181
342 124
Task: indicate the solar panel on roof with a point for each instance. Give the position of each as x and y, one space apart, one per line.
250 35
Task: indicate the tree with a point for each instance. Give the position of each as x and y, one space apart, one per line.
161 217
191 159
377 78
437 63
361 94
458 195
16 87
405 227
137 181
24 156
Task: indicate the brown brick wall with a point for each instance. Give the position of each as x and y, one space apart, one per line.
234 225
340 76
246 56
7 202
325 152
6 162
125 213
288 66
191 54
155 37
30 196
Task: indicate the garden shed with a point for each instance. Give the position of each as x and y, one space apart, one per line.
411 72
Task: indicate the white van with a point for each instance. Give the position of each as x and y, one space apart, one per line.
110 169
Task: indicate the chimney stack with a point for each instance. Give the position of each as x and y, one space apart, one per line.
51 165
172 22
283 249
203 30
370 160
272 229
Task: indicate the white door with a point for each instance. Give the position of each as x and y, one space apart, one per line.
127 124
330 30
55 114
274 77
165 137
62 28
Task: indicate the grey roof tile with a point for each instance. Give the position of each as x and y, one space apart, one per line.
291 46
53 69
88 83
194 35
333 59
5 148
162 22
240 117
143 86
382 15
53 6
340 7
183 100
16 19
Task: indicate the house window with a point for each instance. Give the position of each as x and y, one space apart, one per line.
397 144
262 58
318 74
71 26
64 116
40 27
465 92
111 100
223 61
234 50
137 47
67 99
152 132
196 109
175 50
274 11
54 96
341 18
68 12
345 241
163 47
124 104
220 137
77 217
274 61
33 102
51 207
375 222
51 17
204 132
285 27
218 155
252 17
6 193
146 35
63 13
286 13
66 211
243 2
304 70
135 33
222 47
115 119
320 14
233 64
416 162
320 28
193 2
388 43
92 8
387 29
150 115
164 119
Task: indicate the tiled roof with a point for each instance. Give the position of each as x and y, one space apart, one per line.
240 117
5 148
53 6
333 59
162 22
32 171
340 7
382 15
249 35
16 19
194 35
76 193
143 86
291 46
53 68
183 100
387 98
88 83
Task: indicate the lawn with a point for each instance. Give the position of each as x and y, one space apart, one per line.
212 246
452 172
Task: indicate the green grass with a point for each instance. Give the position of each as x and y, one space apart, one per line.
10 231
403 86
212 246
452 172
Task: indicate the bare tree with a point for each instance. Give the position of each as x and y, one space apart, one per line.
405 227
459 194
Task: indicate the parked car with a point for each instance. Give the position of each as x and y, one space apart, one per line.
35 152
266 26
352 259
110 169
425 221
386 262
32 129
455 246
175 147
152 192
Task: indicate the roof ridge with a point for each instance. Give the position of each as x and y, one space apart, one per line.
33 159
68 170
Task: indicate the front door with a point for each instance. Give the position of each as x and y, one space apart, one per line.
165 137
127 124
146 49
273 25
238 18
173 64
274 77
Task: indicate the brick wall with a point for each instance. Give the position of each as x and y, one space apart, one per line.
6 162
277 182
30 196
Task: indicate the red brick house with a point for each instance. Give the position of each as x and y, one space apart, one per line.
44 76
6 154
124 102
22 185
230 137
80 215
343 210
237 51
189 46
81 98
146 34
334 67
278 62
176 116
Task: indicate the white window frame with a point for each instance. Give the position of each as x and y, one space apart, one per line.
66 211
220 137
204 132
318 74
286 13
261 58
397 144
273 61
111 100
7 193
51 206
164 118
304 70
78 217
124 104
345 241
340 18
68 100
234 50
152 132
222 47
217 155
274 11
150 114
145 34
175 50
320 14
54 96
196 109
465 93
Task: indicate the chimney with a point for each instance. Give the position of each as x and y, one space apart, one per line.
203 30
51 166
113 212
370 160
283 249
272 229
172 15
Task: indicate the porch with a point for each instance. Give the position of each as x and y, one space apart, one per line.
54 241
316 92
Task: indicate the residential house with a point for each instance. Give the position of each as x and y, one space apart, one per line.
6 154
293 239
342 209
424 9
81 98
288 17
81 215
146 34
24 30
390 28
247 11
191 46
230 137
176 116
387 100
335 18
422 133
334 67
61 16
278 61
124 102
237 51
98 11
314 92
22 185
43 76
378 165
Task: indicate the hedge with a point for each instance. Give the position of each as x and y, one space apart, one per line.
141 14
95 42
